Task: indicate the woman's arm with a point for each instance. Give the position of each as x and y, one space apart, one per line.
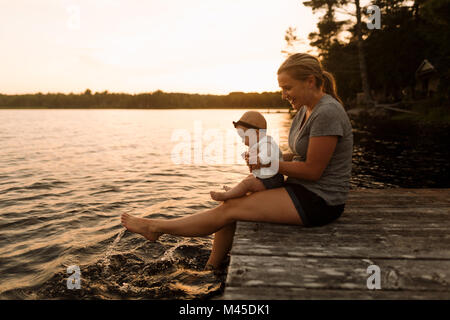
320 150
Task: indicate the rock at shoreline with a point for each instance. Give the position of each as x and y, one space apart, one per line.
371 112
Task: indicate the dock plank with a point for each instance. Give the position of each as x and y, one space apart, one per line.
292 293
338 273
341 241
406 232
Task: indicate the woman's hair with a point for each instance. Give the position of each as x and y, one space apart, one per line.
302 65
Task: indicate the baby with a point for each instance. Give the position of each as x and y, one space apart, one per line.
252 129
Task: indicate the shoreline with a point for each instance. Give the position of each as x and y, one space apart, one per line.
140 108
435 117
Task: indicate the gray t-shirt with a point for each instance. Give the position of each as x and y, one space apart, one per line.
328 118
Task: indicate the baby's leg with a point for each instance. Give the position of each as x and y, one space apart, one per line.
249 184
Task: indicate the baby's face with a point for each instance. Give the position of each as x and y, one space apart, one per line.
242 131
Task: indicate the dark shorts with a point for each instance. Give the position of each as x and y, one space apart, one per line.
277 181
312 208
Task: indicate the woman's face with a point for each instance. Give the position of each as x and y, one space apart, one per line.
297 92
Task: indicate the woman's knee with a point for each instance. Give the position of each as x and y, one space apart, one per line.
229 209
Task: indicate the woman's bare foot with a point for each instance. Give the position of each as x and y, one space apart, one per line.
140 225
218 196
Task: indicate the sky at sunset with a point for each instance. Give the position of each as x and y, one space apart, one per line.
195 46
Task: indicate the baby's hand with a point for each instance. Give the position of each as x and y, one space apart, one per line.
246 157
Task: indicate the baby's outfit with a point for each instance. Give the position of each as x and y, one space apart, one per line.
268 152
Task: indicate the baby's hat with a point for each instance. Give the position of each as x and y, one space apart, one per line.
252 119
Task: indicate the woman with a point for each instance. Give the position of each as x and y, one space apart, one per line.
318 169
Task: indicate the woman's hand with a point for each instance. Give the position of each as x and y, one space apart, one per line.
288 156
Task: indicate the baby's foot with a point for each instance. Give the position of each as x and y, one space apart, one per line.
218 196
140 225
226 188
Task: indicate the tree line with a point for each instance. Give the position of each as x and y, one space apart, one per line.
153 100
382 63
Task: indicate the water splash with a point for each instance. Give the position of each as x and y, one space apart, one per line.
106 260
169 253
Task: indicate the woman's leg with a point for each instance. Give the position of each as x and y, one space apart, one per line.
274 205
223 240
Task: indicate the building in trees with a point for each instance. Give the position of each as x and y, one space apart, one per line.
427 80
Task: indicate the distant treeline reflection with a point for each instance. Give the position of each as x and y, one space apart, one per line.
154 100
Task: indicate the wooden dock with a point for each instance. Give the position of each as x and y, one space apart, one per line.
405 232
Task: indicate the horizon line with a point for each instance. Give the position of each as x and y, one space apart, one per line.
136 93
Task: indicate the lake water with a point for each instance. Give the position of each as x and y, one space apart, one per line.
67 175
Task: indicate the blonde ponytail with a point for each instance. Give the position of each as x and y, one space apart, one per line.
329 85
